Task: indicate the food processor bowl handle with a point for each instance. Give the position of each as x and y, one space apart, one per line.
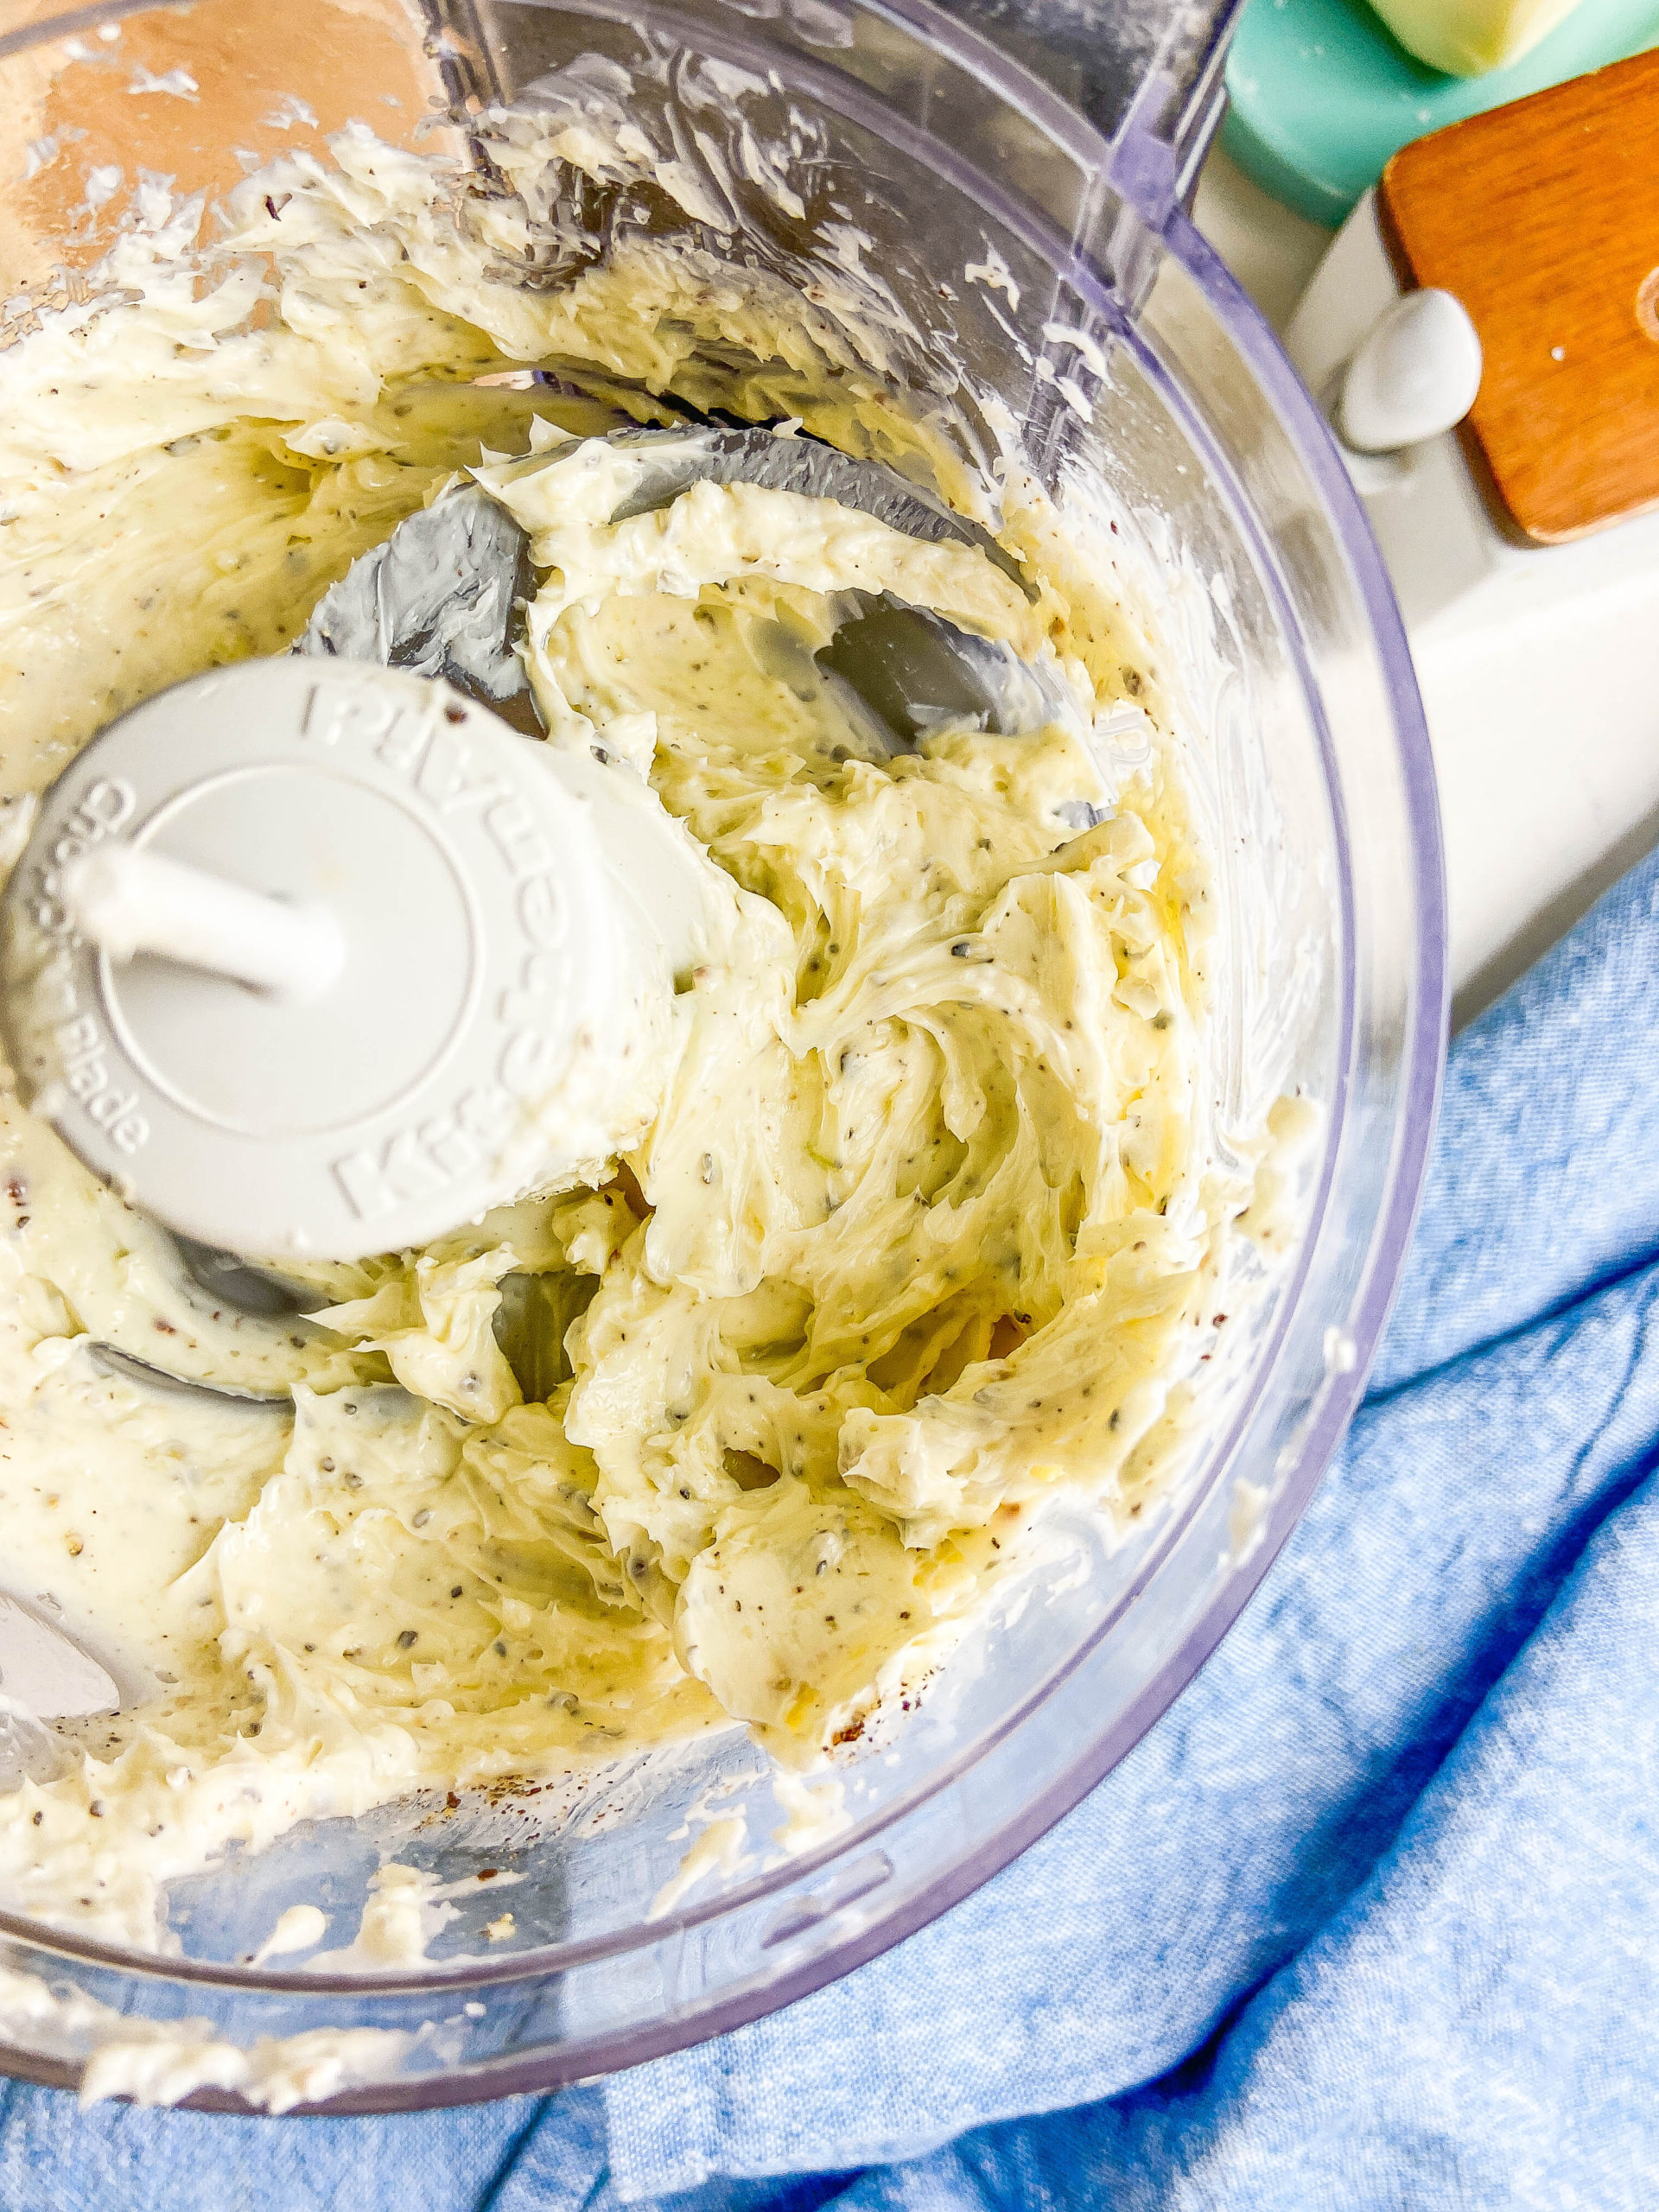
1146 73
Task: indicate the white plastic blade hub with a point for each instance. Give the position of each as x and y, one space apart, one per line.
462 943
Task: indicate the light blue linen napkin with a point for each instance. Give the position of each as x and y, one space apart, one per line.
1370 1919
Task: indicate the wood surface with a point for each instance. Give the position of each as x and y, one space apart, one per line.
196 95
1543 218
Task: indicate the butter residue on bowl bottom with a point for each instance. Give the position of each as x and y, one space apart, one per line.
918 1237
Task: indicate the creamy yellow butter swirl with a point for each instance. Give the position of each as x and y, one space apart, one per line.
912 1241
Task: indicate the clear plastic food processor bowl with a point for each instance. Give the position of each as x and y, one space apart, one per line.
1049 148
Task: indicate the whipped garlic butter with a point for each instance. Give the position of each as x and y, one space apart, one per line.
920 1229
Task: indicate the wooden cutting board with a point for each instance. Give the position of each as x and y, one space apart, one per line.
1543 218
185 94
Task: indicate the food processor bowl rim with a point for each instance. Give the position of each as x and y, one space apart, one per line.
1421 1063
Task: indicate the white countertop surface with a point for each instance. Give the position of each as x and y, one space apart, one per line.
1544 719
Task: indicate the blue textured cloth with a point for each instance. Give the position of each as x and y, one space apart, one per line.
1370 1920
